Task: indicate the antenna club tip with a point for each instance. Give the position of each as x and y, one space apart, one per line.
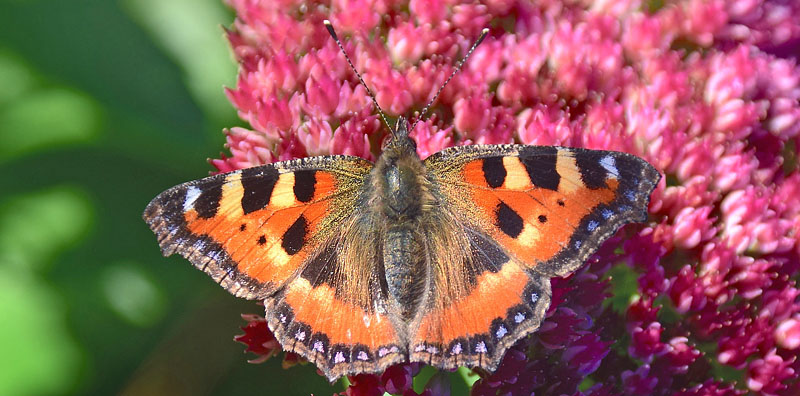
484 32
329 26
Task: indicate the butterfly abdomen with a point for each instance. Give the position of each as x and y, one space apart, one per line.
405 268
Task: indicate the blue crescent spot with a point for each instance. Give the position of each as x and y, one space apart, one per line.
501 331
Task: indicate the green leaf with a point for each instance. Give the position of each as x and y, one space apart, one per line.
189 33
46 119
132 294
35 227
624 287
40 356
15 75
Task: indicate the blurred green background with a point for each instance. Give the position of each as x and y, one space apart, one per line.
104 104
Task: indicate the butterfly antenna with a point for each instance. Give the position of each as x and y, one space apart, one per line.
349 62
460 63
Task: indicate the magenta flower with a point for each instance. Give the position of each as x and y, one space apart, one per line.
703 300
258 338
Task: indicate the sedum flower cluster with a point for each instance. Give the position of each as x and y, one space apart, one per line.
701 301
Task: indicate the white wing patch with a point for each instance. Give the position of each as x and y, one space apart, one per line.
191 195
610 165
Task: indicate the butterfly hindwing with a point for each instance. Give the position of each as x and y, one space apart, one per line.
339 322
474 325
336 313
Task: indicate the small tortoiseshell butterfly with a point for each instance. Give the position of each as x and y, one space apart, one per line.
445 261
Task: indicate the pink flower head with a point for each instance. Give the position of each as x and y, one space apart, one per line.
322 95
767 375
249 148
681 355
391 87
352 100
432 138
352 137
357 15
586 353
542 127
647 343
787 333
316 136
472 114
639 382
711 388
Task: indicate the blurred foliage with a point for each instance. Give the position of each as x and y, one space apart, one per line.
103 105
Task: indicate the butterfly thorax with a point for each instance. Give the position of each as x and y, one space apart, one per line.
400 186
401 192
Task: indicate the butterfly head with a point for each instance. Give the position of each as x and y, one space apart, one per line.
400 143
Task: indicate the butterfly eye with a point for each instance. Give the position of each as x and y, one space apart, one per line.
387 140
413 143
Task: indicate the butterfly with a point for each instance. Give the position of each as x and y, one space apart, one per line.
445 261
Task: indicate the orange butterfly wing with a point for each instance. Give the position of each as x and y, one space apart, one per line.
280 233
529 213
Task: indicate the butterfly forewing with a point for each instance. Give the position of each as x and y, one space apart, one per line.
549 207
